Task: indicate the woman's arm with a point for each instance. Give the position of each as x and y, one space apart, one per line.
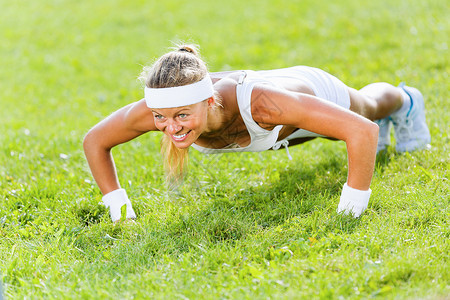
320 116
122 126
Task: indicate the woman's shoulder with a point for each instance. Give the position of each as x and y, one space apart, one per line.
226 87
217 76
139 117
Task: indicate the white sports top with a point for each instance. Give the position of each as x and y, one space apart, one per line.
324 85
260 138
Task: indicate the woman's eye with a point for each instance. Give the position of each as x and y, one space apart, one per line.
159 117
182 116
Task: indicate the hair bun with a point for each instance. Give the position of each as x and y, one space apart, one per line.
188 48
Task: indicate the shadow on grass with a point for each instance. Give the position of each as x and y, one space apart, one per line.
384 157
302 202
302 194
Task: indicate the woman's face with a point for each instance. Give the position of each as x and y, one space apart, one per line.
182 124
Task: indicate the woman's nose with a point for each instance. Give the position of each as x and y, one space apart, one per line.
173 127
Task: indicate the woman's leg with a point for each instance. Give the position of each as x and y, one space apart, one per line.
376 101
405 108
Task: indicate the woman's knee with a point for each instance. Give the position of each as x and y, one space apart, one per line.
387 98
362 104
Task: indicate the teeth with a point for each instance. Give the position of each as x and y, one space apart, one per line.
179 136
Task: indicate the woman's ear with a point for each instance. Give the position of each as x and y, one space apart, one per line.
211 102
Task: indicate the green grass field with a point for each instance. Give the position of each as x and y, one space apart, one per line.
242 226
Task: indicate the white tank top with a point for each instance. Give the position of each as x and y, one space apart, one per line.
323 84
260 138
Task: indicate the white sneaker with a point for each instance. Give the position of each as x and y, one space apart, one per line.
384 134
410 129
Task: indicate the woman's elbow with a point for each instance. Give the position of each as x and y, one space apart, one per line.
90 140
372 130
366 133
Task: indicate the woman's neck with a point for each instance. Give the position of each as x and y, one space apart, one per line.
216 119
224 113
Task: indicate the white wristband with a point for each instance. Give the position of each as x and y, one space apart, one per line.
353 201
115 200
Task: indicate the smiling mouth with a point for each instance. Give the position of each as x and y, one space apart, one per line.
180 137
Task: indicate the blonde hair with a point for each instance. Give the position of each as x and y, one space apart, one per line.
182 66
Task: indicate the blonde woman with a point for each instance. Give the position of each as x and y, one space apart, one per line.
256 111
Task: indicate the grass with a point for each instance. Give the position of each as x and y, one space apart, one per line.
249 225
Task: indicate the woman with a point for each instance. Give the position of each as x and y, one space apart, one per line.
256 111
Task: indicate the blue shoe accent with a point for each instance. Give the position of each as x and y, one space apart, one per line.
402 86
410 128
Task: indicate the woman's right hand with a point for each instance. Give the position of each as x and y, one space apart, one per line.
115 200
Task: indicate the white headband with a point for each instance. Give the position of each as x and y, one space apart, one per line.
179 95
